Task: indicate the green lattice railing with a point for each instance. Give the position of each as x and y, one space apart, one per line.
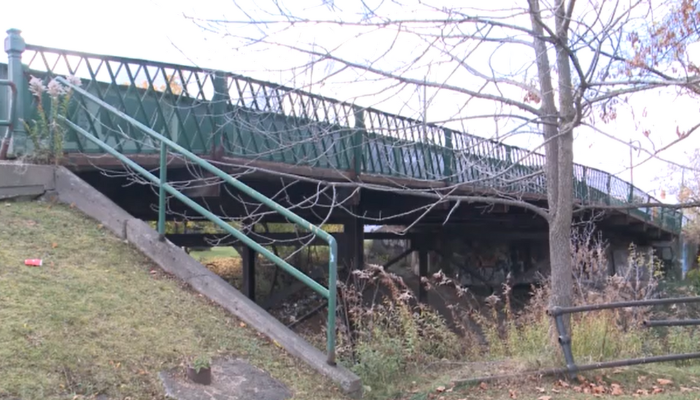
201 110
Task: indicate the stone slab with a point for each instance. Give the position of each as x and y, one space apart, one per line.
232 379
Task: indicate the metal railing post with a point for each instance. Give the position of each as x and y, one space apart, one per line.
564 341
161 191
14 47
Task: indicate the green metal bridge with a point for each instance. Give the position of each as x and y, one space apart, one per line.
140 112
216 113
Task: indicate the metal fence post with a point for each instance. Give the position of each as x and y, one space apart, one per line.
14 47
564 341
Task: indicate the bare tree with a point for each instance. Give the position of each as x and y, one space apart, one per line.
548 67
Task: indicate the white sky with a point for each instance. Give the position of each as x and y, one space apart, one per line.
157 30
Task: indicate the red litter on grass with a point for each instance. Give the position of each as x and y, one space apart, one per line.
34 262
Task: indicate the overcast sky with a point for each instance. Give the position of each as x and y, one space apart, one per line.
157 30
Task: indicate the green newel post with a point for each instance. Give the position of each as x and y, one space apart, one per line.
219 100
448 156
14 47
357 140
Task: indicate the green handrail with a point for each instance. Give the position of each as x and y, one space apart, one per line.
328 293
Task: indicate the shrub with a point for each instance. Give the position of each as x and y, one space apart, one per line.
48 132
693 278
391 332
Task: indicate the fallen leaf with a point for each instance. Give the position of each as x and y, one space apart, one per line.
483 386
513 394
449 390
54 245
100 226
563 384
657 390
664 382
242 324
598 389
685 389
616 390
556 391
544 398
541 390
440 389
641 379
642 392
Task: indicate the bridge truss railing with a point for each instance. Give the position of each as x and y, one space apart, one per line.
215 112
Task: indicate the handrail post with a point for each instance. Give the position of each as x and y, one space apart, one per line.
332 292
14 47
161 189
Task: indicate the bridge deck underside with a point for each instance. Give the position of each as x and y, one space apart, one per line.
348 203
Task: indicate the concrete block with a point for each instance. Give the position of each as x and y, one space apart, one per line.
73 190
19 180
29 192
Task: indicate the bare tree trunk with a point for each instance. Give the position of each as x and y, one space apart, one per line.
559 147
560 224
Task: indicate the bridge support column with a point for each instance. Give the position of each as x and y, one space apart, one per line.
354 247
248 257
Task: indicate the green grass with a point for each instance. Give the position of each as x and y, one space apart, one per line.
214 253
97 317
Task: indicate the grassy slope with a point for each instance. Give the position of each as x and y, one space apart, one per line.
96 318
